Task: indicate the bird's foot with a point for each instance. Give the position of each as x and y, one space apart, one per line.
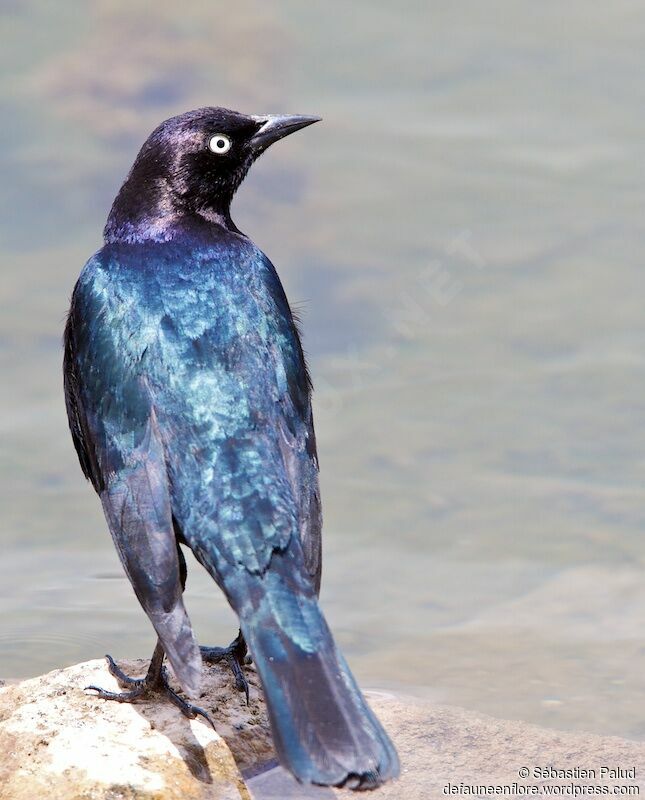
151 684
235 655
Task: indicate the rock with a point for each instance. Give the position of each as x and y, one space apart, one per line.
63 744
59 742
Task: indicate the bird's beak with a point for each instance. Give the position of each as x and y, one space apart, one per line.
277 126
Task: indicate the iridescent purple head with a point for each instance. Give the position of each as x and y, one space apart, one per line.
189 168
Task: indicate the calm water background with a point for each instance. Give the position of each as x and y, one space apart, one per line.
464 235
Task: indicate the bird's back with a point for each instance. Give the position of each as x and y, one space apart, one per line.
202 336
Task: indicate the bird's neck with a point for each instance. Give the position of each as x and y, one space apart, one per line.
162 218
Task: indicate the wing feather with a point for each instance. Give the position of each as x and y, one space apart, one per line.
116 436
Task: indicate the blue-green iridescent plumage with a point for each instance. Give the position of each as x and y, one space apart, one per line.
189 404
201 335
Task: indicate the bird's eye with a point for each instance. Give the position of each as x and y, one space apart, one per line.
220 143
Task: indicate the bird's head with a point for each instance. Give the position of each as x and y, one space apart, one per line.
190 167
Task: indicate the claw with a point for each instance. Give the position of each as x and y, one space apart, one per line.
187 709
119 674
155 681
120 697
236 657
199 712
241 683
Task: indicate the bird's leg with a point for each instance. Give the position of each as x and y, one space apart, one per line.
235 655
154 682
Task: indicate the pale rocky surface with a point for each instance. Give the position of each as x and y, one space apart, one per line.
60 743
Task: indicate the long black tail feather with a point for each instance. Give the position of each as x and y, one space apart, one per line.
324 731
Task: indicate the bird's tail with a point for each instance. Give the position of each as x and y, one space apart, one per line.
324 731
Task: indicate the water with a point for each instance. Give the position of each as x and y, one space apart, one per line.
464 237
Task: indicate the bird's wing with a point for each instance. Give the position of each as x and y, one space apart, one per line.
298 442
117 439
301 460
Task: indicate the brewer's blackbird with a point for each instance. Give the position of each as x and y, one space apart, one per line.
189 403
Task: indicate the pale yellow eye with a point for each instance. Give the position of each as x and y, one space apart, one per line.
220 143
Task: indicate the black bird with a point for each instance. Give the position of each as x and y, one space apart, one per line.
189 404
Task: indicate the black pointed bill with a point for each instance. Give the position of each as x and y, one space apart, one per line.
277 126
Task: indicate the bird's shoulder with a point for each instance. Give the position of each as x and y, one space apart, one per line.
187 307
223 274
